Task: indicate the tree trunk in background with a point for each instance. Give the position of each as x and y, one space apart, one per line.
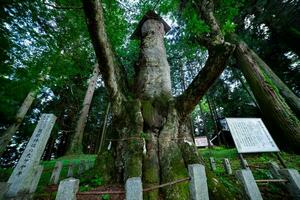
291 99
76 142
104 129
49 148
285 125
5 139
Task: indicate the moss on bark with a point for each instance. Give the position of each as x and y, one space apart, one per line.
105 167
173 168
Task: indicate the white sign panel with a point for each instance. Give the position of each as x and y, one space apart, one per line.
201 141
250 135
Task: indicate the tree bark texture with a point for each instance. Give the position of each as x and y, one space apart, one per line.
283 124
291 99
114 76
76 143
5 139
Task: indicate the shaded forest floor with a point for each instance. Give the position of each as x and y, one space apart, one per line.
258 164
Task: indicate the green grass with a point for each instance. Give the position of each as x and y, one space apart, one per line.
258 165
47 171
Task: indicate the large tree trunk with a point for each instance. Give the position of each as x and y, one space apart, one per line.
284 125
291 99
76 143
5 139
146 136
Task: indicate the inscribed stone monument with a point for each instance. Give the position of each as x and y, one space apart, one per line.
26 174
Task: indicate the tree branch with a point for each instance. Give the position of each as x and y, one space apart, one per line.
219 52
205 8
214 66
113 75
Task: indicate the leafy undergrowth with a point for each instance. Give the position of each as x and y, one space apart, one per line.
66 160
259 166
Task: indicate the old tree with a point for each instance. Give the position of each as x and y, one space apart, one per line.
146 114
151 127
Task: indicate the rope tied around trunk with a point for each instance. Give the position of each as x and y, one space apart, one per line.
144 190
141 138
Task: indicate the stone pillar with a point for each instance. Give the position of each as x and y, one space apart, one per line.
26 174
56 173
81 167
212 163
70 170
246 178
198 184
227 166
134 189
293 184
67 189
274 168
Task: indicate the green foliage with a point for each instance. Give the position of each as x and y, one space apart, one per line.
87 183
4 174
143 135
194 24
168 6
229 27
105 197
226 11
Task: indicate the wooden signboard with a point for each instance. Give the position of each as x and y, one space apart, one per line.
201 141
250 135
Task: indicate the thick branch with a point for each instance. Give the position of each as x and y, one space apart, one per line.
205 8
112 73
214 66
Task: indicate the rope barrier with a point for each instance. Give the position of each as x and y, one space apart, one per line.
144 190
100 192
138 138
166 184
271 181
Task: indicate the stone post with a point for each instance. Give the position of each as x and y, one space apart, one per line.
67 189
212 163
198 184
227 166
56 173
70 170
134 189
81 167
293 184
274 168
246 178
27 173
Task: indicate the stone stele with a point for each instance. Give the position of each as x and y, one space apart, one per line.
25 173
